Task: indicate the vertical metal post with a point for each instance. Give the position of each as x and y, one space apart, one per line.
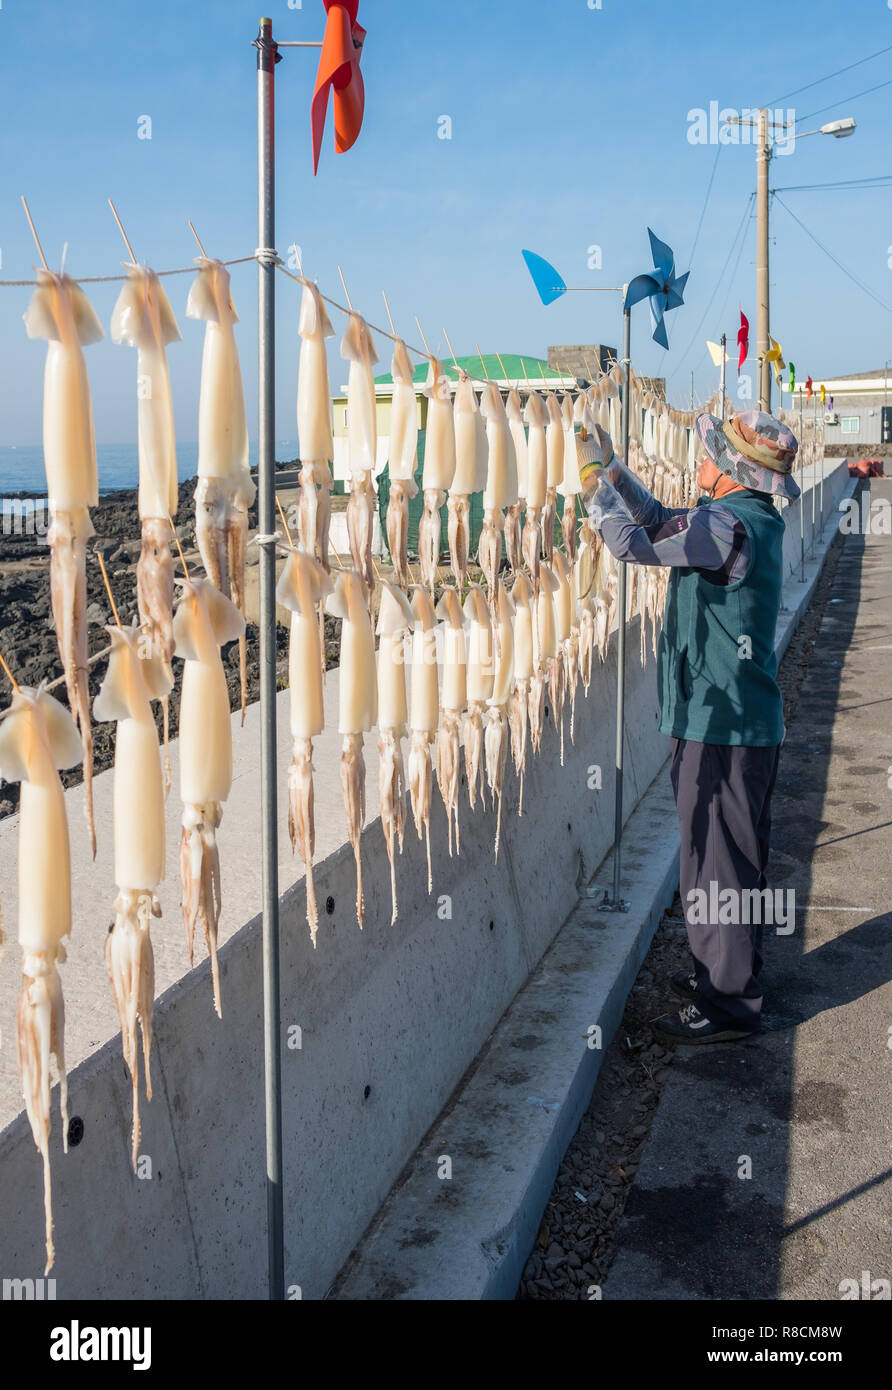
763 155
621 631
801 499
722 378
267 57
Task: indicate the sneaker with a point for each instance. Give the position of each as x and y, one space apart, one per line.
684 984
690 1026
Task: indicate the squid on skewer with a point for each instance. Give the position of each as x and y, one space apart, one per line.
225 488
424 714
501 485
568 642
302 585
534 497
453 699
205 619
513 531
479 687
496 737
60 312
584 577
524 669
554 442
358 702
550 663
37 738
395 621
570 486
402 455
314 425
358 349
470 464
438 470
142 318
132 682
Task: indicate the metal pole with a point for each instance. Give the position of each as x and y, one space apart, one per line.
267 57
618 903
763 155
801 499
722 376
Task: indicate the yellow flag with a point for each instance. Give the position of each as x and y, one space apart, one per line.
716 351
823 393
775 355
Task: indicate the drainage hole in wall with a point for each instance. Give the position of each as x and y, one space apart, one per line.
75 1131
547 711
569 827
367 1092
492 926
329 905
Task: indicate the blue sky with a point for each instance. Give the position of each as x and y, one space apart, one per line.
569 129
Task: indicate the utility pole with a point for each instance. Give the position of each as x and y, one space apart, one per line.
763 156
722 376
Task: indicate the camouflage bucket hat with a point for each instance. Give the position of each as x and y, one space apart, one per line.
754 449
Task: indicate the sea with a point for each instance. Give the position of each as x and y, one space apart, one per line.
22 470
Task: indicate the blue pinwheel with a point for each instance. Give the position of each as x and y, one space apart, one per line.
661 286
549 284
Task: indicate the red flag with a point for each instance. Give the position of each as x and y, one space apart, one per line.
808 388
743 338
339 69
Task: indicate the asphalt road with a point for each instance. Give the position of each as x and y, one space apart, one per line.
767 1170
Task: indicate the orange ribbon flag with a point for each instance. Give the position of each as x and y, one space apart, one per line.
339 71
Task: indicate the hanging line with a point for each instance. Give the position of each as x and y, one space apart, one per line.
109 279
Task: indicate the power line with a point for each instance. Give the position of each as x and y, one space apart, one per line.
715 165
818 80
836 261
857 97
869 181
741 229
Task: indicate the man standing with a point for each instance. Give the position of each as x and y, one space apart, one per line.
719 700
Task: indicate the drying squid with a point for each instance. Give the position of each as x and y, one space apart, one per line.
501 484
402 455
513 536
314 425
496 737
303 584
567 634
395 620
554 441
362 445
534 497
438 470
569 487
358 702
143 318
225 488
469 464
133 680
519 704
205 619
479 686
60 312
424 714
37 738
453 698
550 661
584 576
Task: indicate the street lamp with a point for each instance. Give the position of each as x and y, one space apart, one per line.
764 152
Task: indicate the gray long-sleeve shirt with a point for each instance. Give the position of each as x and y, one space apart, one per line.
637 528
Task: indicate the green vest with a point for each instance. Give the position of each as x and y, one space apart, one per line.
715 686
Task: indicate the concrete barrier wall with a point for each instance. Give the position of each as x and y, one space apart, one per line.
378 1028
804 515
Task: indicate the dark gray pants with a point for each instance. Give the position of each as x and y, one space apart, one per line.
723 796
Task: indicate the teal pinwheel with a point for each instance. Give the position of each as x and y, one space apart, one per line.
661 286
